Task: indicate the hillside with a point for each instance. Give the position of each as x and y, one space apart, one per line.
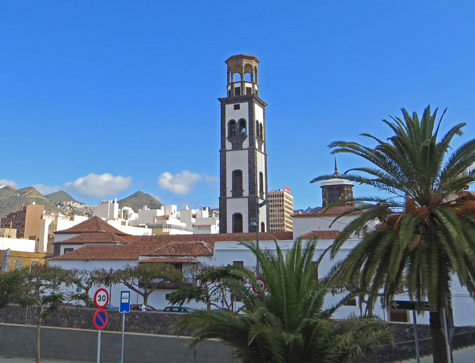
60 196
12 200
137 200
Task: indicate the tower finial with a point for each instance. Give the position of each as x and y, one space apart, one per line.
336 169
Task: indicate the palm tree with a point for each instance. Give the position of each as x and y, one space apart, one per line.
426 233
287 322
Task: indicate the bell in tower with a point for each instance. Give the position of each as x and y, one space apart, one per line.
243 158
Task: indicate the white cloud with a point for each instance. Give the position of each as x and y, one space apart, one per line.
180 183
8 182
46 189
99 186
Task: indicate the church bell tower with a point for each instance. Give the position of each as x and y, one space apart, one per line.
243 157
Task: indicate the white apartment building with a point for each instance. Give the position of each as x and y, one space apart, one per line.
107 209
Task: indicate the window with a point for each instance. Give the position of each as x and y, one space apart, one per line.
242 126
18 264
257 128
66 250
248 91
261 184
232 128
238 263
400 316
260 131
237 223
350 302
237 91
263 227
237 107
237 190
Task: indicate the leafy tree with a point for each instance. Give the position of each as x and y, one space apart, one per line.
212 288
85 280
36 285
287 322
9 284
146 278
426 231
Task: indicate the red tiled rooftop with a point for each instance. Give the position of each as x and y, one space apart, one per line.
169 260
84 238
335 211
108 252
321 235
183 249
94 224
212 238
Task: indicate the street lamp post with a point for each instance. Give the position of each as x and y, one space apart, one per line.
256 224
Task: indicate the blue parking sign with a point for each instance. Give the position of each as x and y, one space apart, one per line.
124 302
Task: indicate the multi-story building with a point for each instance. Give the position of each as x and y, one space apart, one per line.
107 209
27 221
281 209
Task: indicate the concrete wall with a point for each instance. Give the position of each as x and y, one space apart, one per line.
78 344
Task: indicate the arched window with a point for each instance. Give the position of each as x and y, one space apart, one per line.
261 184
237 190
237 223
257 128
260 130
242 127
232 128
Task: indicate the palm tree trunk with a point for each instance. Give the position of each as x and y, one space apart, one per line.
439 346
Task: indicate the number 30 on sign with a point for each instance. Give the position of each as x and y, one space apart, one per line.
101 298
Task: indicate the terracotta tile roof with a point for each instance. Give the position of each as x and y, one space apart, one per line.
183 249
170 246
84 238
108 252
169 260
321 235
94 224
212 238
335 211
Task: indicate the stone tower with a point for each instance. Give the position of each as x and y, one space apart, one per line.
336 189
243 158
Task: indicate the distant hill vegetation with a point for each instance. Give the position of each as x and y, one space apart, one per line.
12 200
137 201
60 196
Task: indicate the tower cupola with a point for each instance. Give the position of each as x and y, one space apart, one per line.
242 75
336 189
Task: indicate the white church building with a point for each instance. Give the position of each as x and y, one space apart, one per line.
95 244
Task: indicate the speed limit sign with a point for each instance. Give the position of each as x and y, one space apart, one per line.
101 298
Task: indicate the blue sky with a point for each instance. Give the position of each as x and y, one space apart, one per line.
104 98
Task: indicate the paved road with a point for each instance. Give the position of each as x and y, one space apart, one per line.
466 355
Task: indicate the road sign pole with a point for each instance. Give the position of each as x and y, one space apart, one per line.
446 333
99 346
123 331
416 339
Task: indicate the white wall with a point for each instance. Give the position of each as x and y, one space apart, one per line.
16 244
146 216
227 252
107 209
134 231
